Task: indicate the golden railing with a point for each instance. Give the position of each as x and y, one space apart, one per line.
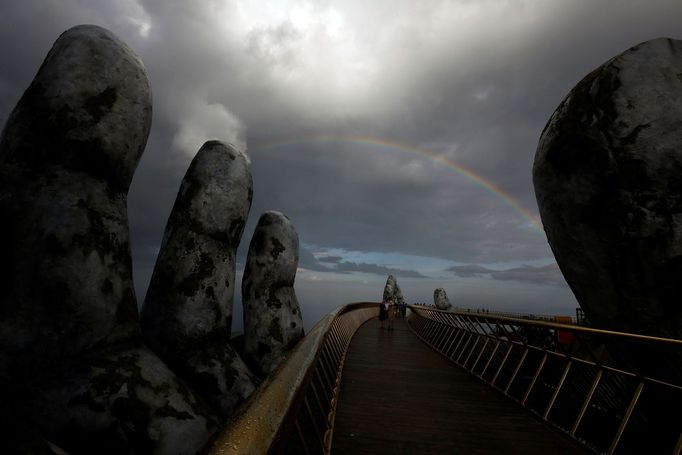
577 378
294 410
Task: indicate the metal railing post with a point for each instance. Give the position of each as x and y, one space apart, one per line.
586 403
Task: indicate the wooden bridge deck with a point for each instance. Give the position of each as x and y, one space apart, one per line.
399 396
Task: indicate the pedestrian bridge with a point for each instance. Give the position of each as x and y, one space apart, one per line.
463 382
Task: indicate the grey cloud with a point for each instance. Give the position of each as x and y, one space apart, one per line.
548 274
307 260
336 264
467 271
545 275
476 91
275 46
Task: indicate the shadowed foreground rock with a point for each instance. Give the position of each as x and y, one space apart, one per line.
71 359
67 156
608 181
272 318
440 299
187 315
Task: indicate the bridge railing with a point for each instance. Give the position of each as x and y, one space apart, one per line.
294 410
569 376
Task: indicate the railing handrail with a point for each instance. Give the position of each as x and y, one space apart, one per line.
257 425
512 314
556 325
529 361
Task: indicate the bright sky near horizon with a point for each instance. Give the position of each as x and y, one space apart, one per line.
398 135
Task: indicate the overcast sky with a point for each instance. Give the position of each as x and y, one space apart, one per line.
398 135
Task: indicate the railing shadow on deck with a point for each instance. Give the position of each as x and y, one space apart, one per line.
294 410
562 374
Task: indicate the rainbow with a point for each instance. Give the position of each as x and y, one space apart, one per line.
479 180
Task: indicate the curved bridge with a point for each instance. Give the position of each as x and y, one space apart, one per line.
461 382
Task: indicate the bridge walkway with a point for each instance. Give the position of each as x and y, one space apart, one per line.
398 396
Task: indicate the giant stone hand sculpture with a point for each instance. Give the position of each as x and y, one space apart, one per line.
187 314
272 317
73 369
608 181
71 358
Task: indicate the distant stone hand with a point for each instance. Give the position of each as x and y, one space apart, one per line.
187 314
607 181
392 291
440 299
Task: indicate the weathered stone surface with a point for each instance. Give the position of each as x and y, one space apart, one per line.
187 314
398 294
392 291
440 299
608 181
67 156
272 318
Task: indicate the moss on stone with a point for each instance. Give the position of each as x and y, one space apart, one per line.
277 248
107 287
258 242
231 375
98 105
86 155
136 415
275 330
53 246
99 238
263 349
85 399
203 268
632 137
210 293
206 384
272 301
170 411
234 232
126 310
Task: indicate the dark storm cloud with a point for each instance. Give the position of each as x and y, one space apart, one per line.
336 264
376 269
548 274
473 82
470 270
308 261
330 259
363 198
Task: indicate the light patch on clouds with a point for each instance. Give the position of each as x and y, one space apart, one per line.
308 50
482 94
202 122
143 25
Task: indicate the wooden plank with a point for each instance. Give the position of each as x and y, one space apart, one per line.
399 396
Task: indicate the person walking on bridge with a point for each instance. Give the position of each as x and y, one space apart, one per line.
383 312
391 315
